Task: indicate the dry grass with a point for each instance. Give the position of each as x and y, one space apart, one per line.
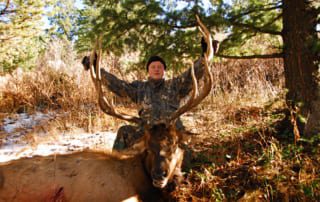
58 84
239 152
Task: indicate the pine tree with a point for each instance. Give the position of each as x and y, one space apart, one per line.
21 31
63 17
294 22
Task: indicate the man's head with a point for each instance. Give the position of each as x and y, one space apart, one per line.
156 67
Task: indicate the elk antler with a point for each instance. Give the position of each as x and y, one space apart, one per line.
95 72
197 97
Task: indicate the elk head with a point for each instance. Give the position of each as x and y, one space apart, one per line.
164 156
161 140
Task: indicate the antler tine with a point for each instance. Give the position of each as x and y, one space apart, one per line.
95 72
207 37
207 85
194 94
196 98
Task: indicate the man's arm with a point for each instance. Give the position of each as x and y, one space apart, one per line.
118 86
115 85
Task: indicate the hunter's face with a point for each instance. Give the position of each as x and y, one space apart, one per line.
156 70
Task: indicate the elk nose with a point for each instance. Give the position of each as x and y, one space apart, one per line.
160 174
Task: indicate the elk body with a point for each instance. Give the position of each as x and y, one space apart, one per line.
156 161
135 174
82 176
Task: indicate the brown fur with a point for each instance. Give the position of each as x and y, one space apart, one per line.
82 176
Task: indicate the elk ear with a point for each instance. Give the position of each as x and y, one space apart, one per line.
140 146
137 148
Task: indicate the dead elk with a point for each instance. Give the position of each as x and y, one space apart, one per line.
82 176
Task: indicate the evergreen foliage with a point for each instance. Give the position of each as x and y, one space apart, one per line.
149 27
63 17
166 28
255 29
20 33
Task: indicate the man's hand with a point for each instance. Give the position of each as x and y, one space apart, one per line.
86 62
204 46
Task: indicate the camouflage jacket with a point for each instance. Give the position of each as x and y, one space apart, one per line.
156 98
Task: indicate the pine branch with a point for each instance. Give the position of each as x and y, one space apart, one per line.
233 21
273 20
192 25
233 18
275 55
256 29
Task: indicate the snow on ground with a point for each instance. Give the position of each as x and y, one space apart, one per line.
25 121
15 145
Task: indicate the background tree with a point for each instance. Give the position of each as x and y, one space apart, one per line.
63 17
20 33
295 22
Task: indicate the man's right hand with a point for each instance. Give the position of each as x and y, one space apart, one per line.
204 46
86 62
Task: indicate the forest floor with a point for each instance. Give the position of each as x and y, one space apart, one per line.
242 147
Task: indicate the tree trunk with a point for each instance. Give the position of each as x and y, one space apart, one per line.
301 64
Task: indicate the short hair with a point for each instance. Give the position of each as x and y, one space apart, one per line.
156 58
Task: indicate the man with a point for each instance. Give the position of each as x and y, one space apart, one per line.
157 97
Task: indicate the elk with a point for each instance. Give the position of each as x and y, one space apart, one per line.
81 176
150 165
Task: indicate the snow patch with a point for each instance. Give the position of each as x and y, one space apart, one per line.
25 120
15 146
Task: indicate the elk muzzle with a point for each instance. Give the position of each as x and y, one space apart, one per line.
165 167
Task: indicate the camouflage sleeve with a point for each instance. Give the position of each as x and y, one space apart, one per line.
118 86
184 81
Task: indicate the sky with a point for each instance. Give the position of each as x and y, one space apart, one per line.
79 4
